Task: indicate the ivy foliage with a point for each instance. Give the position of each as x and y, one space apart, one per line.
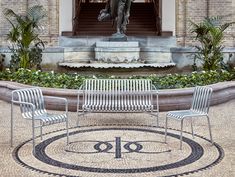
74 81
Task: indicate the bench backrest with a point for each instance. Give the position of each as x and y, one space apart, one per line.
117 92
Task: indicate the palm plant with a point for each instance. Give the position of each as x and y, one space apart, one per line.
24 35
210 35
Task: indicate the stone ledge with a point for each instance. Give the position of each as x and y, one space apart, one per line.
169 99
116 65
121 44
117 49
192 50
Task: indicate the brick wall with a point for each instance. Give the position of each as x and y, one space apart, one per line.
186 10
196 10
50 30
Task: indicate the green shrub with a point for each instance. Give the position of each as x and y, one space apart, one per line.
2 59
74 81
210 35
26 45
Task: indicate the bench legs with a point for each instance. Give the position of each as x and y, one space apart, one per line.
81 114
155 115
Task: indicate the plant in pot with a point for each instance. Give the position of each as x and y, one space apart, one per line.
26 45
210 35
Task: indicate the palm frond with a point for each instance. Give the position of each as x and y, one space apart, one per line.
210 34
35 14
9 13
224 26
23 34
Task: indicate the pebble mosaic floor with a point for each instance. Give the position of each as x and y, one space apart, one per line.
120 145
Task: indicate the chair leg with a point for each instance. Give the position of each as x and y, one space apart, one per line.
82 114
181 134
155 115
33 136
166 128
77 120
157 120
11 124
209 125
41 129
67 130
192 127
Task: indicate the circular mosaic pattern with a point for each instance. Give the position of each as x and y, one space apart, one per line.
120 150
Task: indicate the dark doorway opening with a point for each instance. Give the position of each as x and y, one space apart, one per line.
145 19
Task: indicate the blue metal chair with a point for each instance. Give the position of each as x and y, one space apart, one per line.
199 107
31 101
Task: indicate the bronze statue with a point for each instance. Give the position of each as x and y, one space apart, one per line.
119 11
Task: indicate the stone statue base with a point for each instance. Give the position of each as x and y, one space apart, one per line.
117 52
118 37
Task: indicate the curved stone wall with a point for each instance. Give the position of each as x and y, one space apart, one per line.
169 99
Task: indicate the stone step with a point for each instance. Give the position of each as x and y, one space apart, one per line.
144 41
110 32
144 55
141 23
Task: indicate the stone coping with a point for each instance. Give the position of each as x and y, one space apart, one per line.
161 49
192 49
117 49
172 49
169 99
115 65
46 50
61 49
121 44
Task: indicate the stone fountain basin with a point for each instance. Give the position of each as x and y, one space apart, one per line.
169 99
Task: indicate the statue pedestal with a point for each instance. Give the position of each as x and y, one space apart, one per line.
117 37
117 52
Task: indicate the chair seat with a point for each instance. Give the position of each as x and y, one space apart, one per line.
131 108
181 114
48 119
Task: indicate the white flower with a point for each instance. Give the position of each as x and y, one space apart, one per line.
37 72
